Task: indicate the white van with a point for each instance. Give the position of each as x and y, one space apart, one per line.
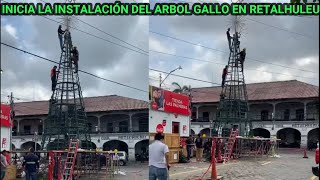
121 156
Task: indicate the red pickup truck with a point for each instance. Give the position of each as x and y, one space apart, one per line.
315 170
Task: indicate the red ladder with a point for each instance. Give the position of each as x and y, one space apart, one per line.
71 159
229 145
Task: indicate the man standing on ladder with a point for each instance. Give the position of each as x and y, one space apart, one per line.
242 58
60 33
75 58
54 78
224 75
229 39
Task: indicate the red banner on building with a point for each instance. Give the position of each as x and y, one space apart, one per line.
170 102
5 115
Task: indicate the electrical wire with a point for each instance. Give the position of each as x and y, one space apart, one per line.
85 72
225 52
282 29
190 78
97 36
196 59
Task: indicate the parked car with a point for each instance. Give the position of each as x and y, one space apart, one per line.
122 157
315 170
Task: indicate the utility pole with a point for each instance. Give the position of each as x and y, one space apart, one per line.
190 106
160 77
12 115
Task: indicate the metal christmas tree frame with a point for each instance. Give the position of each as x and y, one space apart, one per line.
233 107
67 118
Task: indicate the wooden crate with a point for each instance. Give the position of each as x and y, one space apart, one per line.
171 140
11 173
174 155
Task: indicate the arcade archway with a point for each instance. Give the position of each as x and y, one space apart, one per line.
30 144
115 144
313 138
261 132
290 138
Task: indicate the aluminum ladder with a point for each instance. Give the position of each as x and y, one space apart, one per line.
229 145
71 159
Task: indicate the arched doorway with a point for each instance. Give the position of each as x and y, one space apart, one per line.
141 149
205 131
261 132
141 146
115 144
192 132
30 144
313 138
89 145
290 138
13 147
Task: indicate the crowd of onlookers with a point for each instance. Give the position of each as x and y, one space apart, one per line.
30 164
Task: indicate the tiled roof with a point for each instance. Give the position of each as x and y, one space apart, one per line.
256 92
278 90
92 104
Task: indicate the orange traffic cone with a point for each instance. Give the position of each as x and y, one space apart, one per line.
305 153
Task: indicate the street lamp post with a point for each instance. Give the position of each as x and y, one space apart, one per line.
161 81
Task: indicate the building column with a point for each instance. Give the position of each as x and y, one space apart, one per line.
130 123
197 112
274 110
18 127
99 124
131 153
305 111
304 141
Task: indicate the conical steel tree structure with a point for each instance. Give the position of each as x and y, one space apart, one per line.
67 118
233 106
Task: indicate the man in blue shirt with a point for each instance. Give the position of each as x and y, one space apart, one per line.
31 165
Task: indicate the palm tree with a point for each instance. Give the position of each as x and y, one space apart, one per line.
179 89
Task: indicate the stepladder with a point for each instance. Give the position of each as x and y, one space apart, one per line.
70 160
230 145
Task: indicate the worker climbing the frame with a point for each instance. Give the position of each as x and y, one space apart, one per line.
229 39
54 76
224 75
75 58
242 57
60 34
236 40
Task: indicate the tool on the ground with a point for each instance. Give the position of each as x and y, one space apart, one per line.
71 159
229 145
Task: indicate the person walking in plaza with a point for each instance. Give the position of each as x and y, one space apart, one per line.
4 164
199 146
158 159
60 34
190 145
31 165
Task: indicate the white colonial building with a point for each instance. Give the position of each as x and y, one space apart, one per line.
115 122
286 109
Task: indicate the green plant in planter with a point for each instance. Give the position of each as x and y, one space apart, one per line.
182 158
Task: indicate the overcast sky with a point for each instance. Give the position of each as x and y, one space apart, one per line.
28 77
290 43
